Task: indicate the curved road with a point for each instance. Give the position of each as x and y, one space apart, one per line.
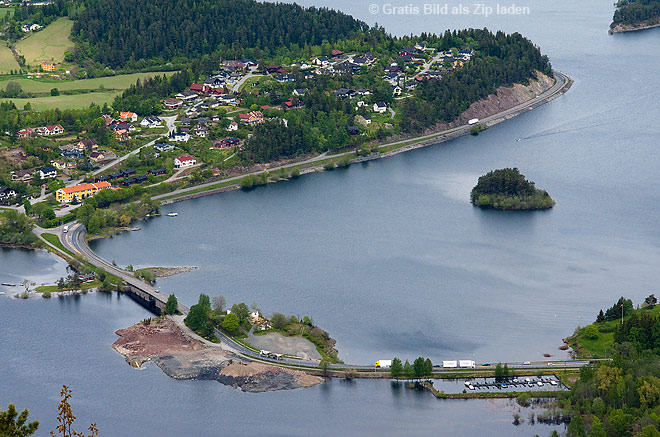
74 241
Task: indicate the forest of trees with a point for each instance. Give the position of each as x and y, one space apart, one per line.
502 61
508 189
115 33
144 97
16 228
636 11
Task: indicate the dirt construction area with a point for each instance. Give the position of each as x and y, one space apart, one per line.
278 343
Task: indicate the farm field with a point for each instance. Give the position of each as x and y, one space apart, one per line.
7 60
120 82
49 43
78 101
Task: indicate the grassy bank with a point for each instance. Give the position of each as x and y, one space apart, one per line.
55 241
49 43
597 340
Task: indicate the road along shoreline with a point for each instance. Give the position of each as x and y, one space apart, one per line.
562 84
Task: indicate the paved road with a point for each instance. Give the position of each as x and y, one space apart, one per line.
236 88
169 123
74 240
561 81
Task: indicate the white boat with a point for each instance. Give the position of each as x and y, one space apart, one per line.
467 383
540 384
471 387
553 382
172 214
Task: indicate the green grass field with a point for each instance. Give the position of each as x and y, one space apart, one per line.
49 43
120 82
5 11
7 60
78 101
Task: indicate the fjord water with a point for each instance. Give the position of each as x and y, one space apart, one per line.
389 256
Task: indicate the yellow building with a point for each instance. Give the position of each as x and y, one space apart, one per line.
79 192
47 66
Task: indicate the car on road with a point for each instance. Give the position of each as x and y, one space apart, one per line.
551 364
527 363
486 364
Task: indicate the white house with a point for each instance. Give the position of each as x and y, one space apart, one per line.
184 161
396 90
380 107
6 193
180 137
232 126
151 122
47 172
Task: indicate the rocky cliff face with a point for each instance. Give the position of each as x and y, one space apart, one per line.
506 98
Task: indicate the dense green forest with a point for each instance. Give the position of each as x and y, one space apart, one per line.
620 397
636 11
508 189
16 229
141 29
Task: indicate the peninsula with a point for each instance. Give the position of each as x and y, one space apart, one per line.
507 189
631 15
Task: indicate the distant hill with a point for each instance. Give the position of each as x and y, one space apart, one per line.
116 32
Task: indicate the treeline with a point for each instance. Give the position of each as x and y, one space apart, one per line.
97 219
501 60
115 33
273 140
636 11
420 368
89 119
16 228
144 96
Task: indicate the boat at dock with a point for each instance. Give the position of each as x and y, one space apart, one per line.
7 284
172 214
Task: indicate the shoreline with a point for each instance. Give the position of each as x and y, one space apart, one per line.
406 145
623 28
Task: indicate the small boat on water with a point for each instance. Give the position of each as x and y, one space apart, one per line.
540 384
467 383
553 382
471 387
172 214
7 284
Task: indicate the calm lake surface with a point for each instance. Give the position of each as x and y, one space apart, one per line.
388 256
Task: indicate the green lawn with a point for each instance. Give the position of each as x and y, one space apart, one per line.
78 101
55 288
119 82
5 11
55 241
7 60
49 44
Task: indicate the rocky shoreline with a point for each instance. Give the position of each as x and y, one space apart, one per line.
164 272
181 354
622 28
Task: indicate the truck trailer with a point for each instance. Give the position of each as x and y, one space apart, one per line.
449 364
383 364
468 364
473 121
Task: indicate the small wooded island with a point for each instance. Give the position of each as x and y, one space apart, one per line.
631 15
507 189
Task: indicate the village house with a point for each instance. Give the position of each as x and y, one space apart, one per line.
173 103
184 161
201 131
25 133
252 118
6 193
97 156
380 107
151 122
33 27
232 126
47 66
128 116
180 137
21 176
163 147
321 60
50 130
79 192
60 165
47 173
87 144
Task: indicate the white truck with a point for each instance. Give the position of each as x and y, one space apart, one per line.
381 364
467 364
65 229
449 364
473 121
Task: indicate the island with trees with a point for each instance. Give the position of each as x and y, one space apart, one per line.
507 189
631 15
